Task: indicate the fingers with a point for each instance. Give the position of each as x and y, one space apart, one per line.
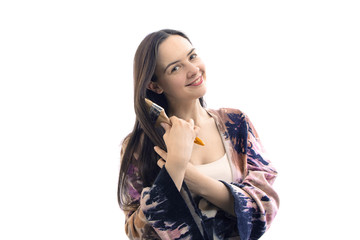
176 120
180 125
160 163
165 126
160 152
197 130
191 121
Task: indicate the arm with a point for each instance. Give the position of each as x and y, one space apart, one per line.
179 168
256 202
159 211
179 140
212 190
136 225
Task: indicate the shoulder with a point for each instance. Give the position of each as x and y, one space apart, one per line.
233 120
229 114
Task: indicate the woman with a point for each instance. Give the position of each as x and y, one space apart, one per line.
171 188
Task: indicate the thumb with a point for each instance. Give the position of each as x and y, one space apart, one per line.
165 126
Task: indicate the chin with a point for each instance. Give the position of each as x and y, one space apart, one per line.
202 92
203 89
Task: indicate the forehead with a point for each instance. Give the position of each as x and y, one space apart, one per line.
174 48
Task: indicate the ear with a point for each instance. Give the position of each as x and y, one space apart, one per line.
154 86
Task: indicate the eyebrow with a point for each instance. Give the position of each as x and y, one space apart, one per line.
177 60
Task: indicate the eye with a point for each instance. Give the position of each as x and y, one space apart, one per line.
193 56
174 69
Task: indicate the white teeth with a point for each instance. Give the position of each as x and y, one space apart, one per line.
197 81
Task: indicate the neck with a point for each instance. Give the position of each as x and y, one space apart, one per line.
188 110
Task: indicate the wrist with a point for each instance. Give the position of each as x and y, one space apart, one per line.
174 166
176 161
177 174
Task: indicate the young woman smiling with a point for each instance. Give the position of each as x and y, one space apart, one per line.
171 188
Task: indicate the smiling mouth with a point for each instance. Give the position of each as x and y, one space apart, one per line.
197 82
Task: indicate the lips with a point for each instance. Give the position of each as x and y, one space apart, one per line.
196 82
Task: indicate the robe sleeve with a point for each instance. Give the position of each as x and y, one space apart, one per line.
159 211
256 202
136 225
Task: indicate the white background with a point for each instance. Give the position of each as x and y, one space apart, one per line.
66 104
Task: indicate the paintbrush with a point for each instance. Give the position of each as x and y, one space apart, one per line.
158 115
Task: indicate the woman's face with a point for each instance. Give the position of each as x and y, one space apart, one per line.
180 71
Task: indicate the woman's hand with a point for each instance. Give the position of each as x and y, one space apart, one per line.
179 139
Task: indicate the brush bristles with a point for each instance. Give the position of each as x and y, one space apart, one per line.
157 113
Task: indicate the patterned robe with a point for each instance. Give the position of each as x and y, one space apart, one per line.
165 213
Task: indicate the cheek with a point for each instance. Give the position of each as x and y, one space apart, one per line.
177 82
201 65
173 83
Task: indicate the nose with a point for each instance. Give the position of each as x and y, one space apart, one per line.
193 70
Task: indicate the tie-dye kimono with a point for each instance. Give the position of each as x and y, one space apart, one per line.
165 213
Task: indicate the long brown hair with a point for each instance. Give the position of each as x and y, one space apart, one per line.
144 136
